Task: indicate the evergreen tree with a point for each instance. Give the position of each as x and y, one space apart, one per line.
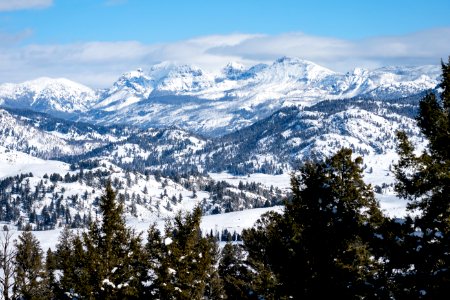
68 259
186 268
425 181
30 281
50 267
153 254
236 275
324 236
214 288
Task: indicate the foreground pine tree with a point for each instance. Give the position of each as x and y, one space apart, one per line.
425 181
30 280
186 269
321 246
235 273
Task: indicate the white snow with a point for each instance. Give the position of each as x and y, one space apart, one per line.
14 162
55 94
235 221
281 181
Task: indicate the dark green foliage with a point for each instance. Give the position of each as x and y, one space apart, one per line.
70 260
186 269
425 181
109 261
323 237
235 273
445 85
153 253
30 280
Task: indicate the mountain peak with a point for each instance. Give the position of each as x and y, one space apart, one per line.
42 83
133 74
134 80
293 61
358 72
233 70
48 94
295 69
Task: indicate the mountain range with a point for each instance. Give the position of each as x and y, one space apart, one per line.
213 104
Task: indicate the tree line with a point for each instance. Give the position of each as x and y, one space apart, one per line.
44 204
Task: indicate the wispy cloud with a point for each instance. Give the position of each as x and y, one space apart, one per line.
98 64
9 39
10 5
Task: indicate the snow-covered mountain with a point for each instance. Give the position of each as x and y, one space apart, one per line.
270 145
131 87
48 95
215 104
170 94
275 144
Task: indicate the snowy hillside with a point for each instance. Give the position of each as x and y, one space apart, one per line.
43 136
50 194
17 135
15 162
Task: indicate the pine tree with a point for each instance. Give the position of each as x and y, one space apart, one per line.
50 267
186 267
68 259
214 288
115 249
30 281
153 255
236 275
323 236
425 181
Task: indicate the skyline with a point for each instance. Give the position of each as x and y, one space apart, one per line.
95 41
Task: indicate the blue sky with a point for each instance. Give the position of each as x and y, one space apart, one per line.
94 41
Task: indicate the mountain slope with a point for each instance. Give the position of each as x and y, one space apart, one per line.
294 134
275 144
47 137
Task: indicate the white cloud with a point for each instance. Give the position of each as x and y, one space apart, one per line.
426 47
99 64
9 5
